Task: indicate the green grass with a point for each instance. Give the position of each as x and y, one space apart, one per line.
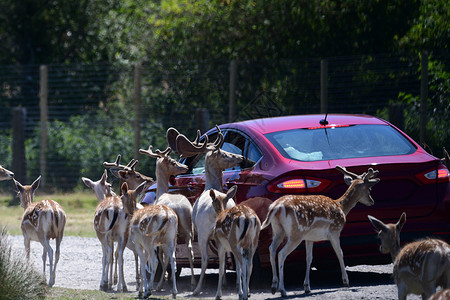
79 208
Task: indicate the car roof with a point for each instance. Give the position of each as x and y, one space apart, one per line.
274 124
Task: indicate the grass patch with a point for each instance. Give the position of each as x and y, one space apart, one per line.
71 294
79 208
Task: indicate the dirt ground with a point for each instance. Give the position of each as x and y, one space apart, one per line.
80 268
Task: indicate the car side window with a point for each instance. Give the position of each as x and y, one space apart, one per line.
196 163
237 143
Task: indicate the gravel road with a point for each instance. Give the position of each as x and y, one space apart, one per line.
79 267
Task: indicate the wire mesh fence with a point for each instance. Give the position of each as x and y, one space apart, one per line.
92 113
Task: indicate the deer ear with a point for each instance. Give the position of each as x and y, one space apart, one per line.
124 188
19 186
140 188
401 222
104 177
36 183
232 192
377 224
212 194
89 183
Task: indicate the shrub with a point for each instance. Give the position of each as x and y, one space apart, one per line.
18 279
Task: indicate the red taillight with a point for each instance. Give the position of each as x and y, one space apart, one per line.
292 185
441 174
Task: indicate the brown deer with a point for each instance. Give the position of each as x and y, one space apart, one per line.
111 225
166 167
150 227
127 173
236 230
419 267
314 218
102 190
5 174
203 213
441 295
41 221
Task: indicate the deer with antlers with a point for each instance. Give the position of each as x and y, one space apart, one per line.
216 160
236 230
166 167
419 267
314 218
41 221
5 174
150 227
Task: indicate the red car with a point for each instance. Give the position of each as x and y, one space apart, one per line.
298 155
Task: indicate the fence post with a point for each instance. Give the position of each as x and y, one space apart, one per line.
423 94
323 86
43 105
19 166
232 99
202 118
137 108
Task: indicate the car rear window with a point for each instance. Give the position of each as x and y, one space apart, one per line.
340 142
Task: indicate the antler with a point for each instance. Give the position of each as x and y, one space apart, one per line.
171 136
157 153
131 165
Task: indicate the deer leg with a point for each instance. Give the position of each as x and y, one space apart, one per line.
57 253
152 260
143 262
309 258
114 262
48 251
221 254
121 286
287 249
171 255
26 242
276 241
105 268
136 265
188 239
162 250
337 249
203 245
109 264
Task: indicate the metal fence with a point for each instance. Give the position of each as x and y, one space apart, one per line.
132 105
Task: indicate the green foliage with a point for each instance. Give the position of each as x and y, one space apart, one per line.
18 279
79 147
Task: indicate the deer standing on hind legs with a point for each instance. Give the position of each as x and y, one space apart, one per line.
236 230
150 227
203 213
419 267
166 167
314 218
41 221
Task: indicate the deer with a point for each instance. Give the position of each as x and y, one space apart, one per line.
5 174
102 190
203 213
150 227
314 218
41 221
111 225
237 230
166 167
420 266
441 295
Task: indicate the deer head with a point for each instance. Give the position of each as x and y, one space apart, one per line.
389 235
128 173
26 192
129 197
5 174
164 163
101 188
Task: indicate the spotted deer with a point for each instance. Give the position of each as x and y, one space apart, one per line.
103 190
314 218
150 227
203 213
111 225
41 221
5 174
419 267
166 167
441 295
237 230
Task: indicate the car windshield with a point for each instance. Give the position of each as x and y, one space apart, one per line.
340 142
